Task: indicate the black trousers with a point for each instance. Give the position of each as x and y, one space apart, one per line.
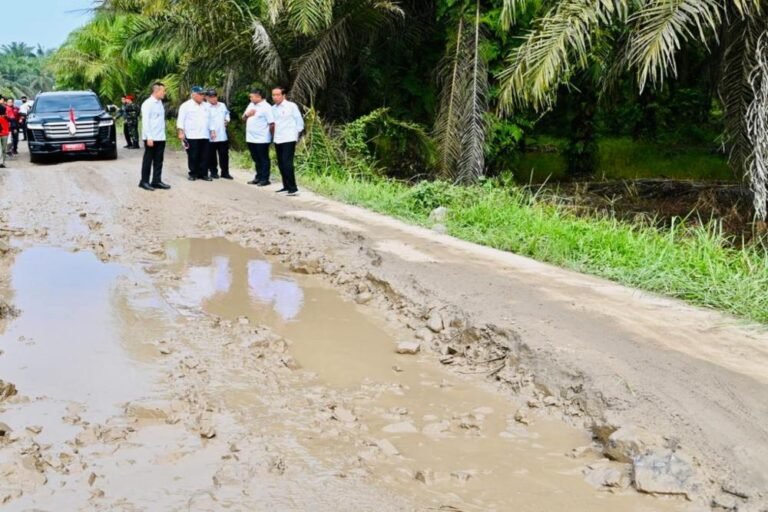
14 145
197 157
260 157
153 162
285 155
219 157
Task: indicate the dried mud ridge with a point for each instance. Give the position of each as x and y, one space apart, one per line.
650 463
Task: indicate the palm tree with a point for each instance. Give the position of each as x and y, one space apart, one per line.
651 34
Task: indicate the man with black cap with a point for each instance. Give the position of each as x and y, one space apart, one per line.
259 124
194 128
219 149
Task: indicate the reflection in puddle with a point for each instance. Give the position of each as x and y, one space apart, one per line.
216 277
438 422
71 341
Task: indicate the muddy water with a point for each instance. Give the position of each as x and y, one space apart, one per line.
460 437
74 341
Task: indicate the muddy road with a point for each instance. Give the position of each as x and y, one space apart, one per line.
217 347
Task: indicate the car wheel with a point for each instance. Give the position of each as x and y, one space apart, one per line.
110 155
36 159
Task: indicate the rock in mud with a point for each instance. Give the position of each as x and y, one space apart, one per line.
664 472
629 442
435 322
5 247
408 347
521 416
439 214
364 298
424 335
7 390
312 264
608 474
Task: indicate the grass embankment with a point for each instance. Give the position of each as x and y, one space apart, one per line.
697 264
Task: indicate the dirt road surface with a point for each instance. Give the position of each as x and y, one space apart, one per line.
219 347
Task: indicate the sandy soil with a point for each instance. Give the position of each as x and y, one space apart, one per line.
217 347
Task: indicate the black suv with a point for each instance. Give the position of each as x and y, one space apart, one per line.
70 123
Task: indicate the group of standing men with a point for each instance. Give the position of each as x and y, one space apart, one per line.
202 128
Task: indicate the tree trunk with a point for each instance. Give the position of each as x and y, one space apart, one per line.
582 151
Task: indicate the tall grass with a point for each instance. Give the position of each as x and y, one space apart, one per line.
694 263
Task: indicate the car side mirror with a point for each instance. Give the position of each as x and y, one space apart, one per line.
111 109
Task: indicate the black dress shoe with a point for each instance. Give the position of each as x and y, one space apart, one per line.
281 191
206 178
215 176
293 193
253 182
127 147
146 186
227 176
263 184
161 185
191 178
136 147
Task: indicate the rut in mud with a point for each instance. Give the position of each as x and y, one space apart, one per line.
218 350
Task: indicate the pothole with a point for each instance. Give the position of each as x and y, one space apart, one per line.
447 440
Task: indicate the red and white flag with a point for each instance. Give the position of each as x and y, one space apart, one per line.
72 125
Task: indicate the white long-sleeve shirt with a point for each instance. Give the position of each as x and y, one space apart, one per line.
194 119
152 119
288 122
257 126
219 117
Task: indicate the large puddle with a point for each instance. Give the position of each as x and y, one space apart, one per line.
459 436
76 339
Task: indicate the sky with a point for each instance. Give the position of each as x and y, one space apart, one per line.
49 23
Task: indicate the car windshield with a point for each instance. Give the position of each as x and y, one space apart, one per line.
80 102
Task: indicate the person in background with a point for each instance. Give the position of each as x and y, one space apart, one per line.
130 112
259 124
288 127
24 109
193 126
153 133
12 113
5 130
219 150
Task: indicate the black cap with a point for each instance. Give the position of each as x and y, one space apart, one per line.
198 90
211 92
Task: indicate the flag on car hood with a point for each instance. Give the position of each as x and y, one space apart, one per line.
72 125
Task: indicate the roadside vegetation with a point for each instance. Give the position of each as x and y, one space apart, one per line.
497 110
24 70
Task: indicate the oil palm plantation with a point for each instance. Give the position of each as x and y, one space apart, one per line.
645 37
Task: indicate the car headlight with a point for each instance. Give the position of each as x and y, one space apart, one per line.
35 126
108 122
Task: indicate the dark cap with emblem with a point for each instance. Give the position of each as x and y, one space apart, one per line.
198 90
211 92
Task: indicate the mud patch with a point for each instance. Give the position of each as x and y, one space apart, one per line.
448 442
72 342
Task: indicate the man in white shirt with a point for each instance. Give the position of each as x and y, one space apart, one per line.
153 135
288 126
194 129
259 125
219 149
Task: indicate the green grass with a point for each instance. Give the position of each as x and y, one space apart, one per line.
696 264
624 158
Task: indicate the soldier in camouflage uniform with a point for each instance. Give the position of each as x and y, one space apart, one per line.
130 113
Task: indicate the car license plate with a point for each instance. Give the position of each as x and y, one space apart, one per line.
73 147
